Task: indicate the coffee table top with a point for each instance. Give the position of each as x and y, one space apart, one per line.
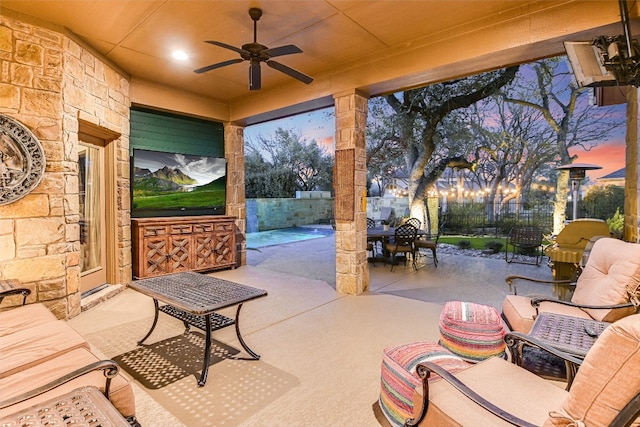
196 293
573 335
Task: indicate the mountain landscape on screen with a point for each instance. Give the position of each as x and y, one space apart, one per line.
170 181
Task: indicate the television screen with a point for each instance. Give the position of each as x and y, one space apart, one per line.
172 184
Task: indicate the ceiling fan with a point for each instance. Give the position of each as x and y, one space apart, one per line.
256 53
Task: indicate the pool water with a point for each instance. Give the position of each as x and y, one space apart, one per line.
261 239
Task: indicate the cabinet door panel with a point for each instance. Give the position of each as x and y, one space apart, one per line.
180 258
155 256
223 247
203 253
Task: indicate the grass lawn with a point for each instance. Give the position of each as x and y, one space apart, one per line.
476 242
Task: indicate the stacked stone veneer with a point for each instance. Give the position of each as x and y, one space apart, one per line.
55 87
275 213
236 199
352 269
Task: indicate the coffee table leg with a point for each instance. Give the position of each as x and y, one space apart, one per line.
254 355
207 351
155 321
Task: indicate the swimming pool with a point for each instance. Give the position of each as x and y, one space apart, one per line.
261 239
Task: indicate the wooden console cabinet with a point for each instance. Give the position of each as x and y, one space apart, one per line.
166 245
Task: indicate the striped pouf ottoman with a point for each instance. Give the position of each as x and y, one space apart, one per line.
472 331
399 378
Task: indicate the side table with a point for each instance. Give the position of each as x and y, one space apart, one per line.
573 335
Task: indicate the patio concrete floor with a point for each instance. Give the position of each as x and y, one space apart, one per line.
321 350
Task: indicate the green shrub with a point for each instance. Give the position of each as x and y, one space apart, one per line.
494 246
616 224
464 244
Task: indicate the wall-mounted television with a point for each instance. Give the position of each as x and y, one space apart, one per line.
173 184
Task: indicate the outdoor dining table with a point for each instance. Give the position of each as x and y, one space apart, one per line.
382 234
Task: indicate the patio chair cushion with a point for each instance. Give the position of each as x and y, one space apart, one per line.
612 272
121 394
472 331
607 379
24 317
521 314
497 380
37 344
399 379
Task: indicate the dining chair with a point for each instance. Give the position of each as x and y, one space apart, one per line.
414 221
403 242
372 242
430 243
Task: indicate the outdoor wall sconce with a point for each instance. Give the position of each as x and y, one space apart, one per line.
577 172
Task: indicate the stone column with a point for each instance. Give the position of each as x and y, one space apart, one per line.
236 200
352 269
632 165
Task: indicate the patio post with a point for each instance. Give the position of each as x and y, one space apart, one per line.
236 199
350 185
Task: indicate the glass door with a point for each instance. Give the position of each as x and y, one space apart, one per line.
93 246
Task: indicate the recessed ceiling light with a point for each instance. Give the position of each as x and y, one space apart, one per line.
180 55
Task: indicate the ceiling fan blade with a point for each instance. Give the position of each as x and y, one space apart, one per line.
226 46
290 72
255 82
283 50
218 65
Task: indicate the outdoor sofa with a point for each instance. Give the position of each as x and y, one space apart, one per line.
42 357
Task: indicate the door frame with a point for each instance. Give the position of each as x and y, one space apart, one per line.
93 131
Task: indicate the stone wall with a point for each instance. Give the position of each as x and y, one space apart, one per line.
271 214
54 86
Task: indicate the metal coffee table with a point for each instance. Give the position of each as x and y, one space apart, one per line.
194 298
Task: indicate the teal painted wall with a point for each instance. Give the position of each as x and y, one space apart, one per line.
170 133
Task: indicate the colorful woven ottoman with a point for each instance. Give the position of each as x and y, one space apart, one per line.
472 331
399 378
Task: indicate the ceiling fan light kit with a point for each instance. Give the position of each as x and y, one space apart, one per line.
256 53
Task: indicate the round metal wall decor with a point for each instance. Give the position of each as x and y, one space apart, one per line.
22 160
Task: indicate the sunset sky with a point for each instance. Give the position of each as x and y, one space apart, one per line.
320 125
